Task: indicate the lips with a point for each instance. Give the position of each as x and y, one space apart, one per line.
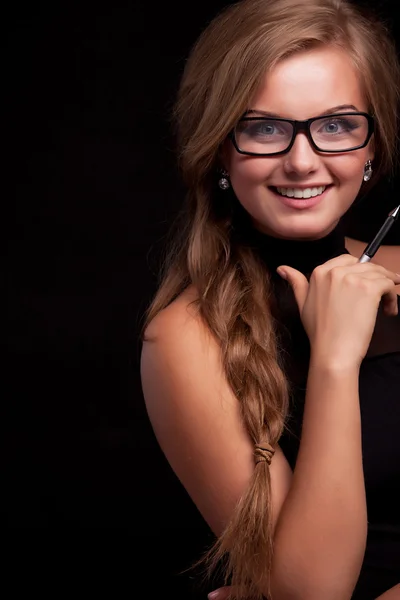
301 203
302 192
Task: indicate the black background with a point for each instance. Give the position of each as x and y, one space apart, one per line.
90 187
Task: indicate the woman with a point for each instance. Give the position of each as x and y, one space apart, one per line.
270 367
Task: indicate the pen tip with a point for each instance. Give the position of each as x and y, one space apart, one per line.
395 212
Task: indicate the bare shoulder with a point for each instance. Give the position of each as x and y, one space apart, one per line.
181 317
197 418
387 256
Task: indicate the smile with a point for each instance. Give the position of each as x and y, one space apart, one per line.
310 192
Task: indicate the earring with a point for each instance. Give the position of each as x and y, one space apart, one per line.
368 170
223 181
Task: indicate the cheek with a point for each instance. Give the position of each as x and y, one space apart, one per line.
348 169
251 170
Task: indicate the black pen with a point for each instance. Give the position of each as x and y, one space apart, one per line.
371 249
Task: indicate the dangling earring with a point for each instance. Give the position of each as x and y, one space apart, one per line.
223 181
368 170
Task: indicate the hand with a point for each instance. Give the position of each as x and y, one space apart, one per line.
338 307
221 593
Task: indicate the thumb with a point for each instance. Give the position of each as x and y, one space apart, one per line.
298 283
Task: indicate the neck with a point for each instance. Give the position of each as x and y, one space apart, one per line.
303 255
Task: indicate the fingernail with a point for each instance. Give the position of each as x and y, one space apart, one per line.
212 595
281 272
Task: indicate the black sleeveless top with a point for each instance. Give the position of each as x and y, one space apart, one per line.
379 387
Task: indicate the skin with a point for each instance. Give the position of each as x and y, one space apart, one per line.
301 87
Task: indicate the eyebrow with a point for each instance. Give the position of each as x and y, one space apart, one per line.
333 109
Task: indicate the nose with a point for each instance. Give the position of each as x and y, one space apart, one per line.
302 159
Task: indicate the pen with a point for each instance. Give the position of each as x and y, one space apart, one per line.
371 249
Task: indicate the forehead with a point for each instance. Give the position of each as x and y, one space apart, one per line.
308 83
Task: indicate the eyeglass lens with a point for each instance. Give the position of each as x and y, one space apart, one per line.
338 133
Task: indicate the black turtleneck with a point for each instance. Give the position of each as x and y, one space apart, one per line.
303 255
379 401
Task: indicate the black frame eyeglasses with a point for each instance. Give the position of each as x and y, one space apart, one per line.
302 127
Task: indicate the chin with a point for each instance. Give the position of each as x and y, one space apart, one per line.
308 229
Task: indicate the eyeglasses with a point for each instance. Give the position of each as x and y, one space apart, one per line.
265 136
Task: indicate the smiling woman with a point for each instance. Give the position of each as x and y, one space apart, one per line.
270 366
334 160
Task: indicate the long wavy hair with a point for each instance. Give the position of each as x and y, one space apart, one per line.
222 75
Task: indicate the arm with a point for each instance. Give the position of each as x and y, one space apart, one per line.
321 530
392 594
196 417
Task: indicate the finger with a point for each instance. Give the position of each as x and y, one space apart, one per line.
369 275
383 286
298 283
391 304
345 260
374 268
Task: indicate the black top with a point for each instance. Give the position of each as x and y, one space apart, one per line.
379 403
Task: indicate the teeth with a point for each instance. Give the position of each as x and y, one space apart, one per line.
296 193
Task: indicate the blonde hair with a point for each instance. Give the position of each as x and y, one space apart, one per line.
222 74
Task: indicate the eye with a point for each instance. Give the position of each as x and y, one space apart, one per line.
337 125
264 128
332 127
